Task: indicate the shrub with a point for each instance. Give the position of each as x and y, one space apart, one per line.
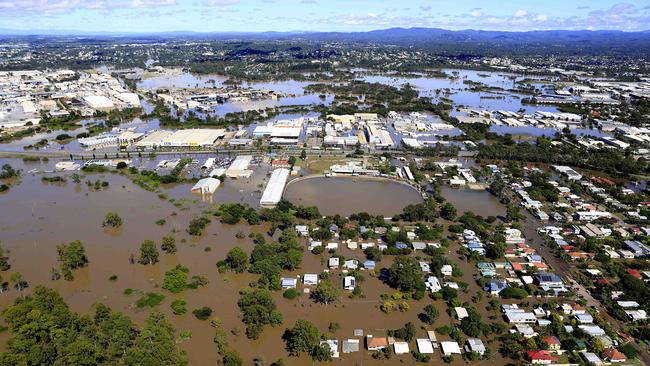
112 219
291 294
150 299
179 306
202 313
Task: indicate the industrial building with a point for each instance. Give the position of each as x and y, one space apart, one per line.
199 138
194 138
153 140
206 186
274 188
378 137
98 102
281 132
239 167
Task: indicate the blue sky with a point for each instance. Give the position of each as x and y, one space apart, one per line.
321 15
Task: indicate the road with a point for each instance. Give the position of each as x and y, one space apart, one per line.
563 269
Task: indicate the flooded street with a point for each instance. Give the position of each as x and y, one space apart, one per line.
347 195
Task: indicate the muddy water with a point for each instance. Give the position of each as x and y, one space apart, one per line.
36 217
480 202
347 195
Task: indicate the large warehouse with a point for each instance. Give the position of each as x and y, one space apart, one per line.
98 102
194 138
182 138
239 167
274 189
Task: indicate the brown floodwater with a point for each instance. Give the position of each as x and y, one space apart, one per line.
36 217
480 202
348 195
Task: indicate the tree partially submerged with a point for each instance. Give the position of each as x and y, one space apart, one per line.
67 338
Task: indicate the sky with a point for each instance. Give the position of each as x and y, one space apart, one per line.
124 16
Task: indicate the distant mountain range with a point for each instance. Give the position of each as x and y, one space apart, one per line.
390 35
564 41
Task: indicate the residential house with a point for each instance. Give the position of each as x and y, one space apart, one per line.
368 264
376 343
350 345
554 344
450 348
289 282
349 283
613 355
310 279
475 345
447 270
401 348
541 357
433 284
461 312
424 346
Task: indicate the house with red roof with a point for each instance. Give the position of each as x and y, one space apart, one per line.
553 343
613 355
634 273
541 357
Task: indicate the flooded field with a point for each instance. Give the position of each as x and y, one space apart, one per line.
181 80
455 88
346 195
37 217
480 202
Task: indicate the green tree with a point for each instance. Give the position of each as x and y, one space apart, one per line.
202 313
407 332
45 332
112 219
237 260
326 292
168 244
179 306
258 310
301 338
4 260
321 353
71 256
148 252
405 274
176 279
431 314
448 211
17 280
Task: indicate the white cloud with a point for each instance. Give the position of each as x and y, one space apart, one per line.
57 7
221 2
520 13
476 13
151 3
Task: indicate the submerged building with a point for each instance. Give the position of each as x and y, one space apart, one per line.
275 187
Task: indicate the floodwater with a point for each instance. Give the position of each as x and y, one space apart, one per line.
348 195
455 89
181 80
37 217
480 202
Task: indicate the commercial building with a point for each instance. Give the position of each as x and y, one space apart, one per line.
193 138
239 167
274 188
206 186
98 102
